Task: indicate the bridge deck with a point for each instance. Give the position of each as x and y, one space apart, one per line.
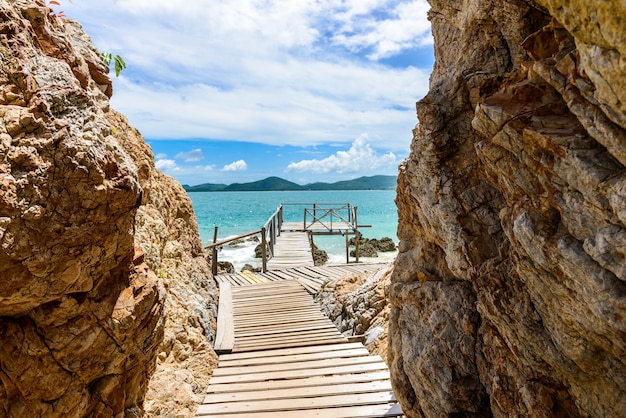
311 278
289 360
292 249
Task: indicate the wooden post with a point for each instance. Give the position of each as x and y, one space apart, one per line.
214 253
272 234
275 232
349 214
263 250
347 249
357 233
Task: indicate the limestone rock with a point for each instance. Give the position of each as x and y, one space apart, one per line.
358 305
167 231
81 312
508 294
106 299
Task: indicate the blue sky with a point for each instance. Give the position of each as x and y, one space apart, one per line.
239 90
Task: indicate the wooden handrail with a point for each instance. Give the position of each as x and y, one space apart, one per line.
329 213
269 232
226 241
213 247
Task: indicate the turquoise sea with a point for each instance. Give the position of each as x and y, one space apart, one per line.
237 213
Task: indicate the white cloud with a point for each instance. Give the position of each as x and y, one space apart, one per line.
360 157
191 156
405 27
273 72
160 156
166 165
236 166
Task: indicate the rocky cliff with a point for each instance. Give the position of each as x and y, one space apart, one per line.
167 232
358 305
508 295
103 284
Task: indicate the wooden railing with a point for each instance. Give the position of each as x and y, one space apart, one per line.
269 233
272 228
324 216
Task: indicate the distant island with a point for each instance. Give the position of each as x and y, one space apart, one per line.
278 184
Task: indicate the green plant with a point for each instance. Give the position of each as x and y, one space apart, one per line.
107 57
117 61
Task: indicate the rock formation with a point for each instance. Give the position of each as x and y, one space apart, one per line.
167 231
508 294
104 283
358 306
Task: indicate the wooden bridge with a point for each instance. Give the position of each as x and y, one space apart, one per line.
289 244
281 357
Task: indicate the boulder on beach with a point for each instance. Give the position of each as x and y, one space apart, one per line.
249 267
370 247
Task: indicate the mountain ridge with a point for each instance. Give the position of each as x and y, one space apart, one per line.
273 183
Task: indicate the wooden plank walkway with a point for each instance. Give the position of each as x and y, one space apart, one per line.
288 360
311 277
292 249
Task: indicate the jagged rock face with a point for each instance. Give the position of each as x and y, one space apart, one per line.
508 294
80 313
358 306
103 283
167 231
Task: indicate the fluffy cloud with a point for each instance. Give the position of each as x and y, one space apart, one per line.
360 157
191 156
403 27
166 165
297 72
236 166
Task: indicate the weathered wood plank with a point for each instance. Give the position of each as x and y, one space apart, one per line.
291 249
274 324
289 337
288 374
287 309
319 348
270 332
327 380
225 336
364 411
382 397
289 359
261 317
355 352
293 366
300 392
270 344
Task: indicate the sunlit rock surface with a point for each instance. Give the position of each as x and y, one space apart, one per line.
105 297
358 305
508 295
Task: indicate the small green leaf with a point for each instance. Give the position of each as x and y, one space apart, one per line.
119 65
118 61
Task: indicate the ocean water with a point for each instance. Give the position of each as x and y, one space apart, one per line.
238 213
